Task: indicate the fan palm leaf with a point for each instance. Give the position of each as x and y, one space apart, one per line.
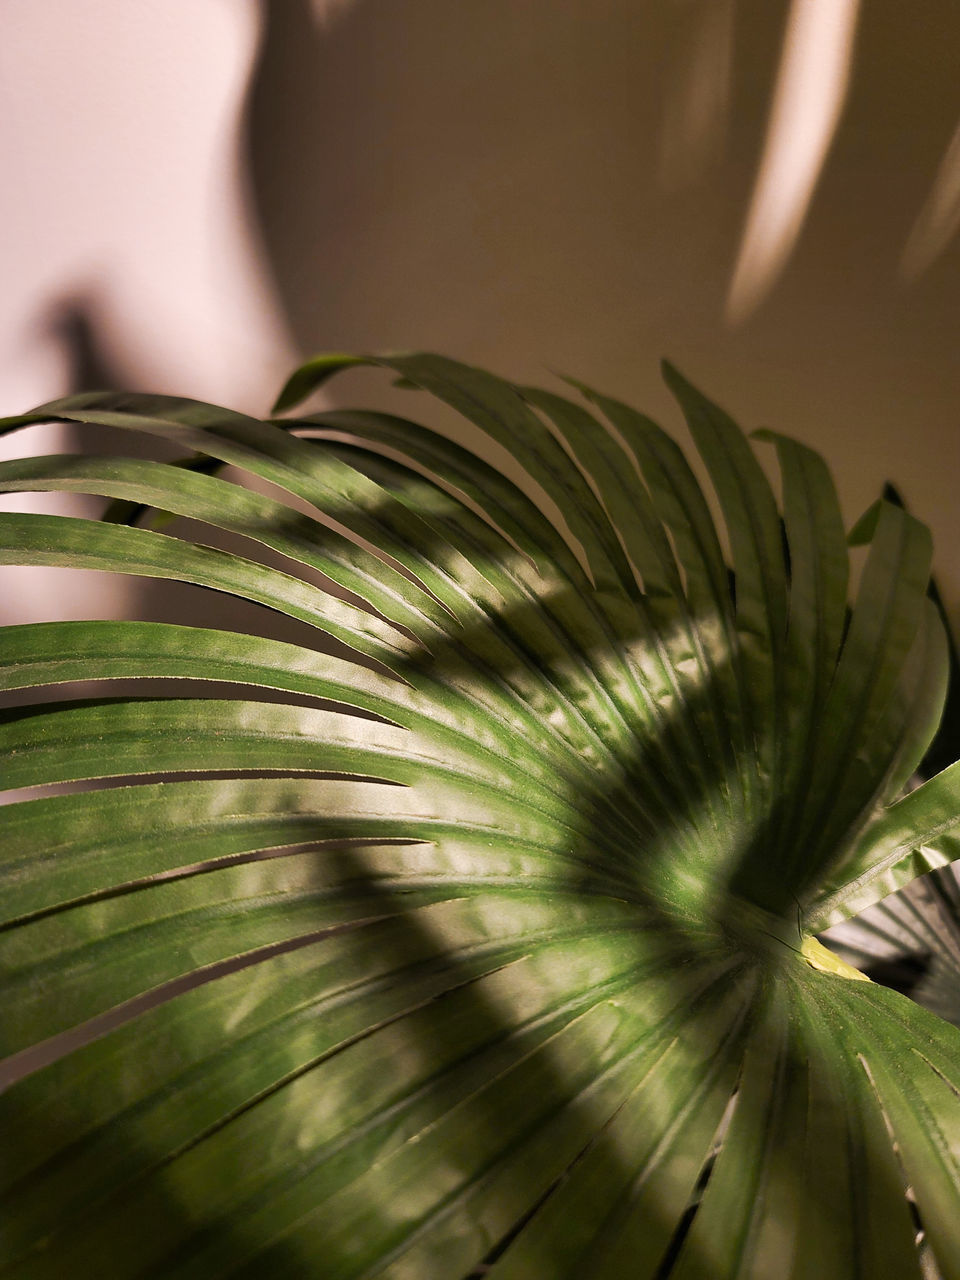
474 934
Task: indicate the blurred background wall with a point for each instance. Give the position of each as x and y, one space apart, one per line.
763 190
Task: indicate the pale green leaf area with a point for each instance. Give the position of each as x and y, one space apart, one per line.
483 945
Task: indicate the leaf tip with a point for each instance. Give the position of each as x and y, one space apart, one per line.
310 376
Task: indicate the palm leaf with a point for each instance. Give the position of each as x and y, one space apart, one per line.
473 937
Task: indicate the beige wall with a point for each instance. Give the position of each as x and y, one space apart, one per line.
490 178
487 177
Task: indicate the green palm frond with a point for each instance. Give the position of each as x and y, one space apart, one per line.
911 941
476 936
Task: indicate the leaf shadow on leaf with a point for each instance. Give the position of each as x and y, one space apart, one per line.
458 1172
143 1198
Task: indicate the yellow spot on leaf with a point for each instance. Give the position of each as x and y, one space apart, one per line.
819 957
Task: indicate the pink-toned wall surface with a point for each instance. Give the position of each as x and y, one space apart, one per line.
125 196
764 190
128 241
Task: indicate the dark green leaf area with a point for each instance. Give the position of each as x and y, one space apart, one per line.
625 1074
380 976
39 540
483 946
229 507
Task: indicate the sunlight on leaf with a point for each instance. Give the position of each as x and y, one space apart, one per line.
467 929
